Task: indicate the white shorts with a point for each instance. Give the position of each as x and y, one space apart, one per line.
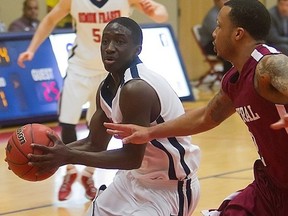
130 197
78 90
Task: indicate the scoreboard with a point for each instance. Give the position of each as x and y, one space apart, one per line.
31 94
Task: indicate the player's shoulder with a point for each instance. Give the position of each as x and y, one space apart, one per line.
137 88
135 85
272 64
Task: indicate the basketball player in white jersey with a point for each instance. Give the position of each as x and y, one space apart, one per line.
85 70
157 178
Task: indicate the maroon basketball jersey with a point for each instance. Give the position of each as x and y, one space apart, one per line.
258 114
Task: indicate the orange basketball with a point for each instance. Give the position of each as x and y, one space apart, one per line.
19 146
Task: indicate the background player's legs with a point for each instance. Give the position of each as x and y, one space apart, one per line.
88 172
76 92
68 134
88 182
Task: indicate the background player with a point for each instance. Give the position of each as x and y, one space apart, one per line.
156 178
85 70
255 88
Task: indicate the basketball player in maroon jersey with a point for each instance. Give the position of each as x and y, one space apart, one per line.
256 88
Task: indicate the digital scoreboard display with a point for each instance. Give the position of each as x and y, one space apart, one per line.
31 94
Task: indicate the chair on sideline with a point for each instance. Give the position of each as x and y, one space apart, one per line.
215 64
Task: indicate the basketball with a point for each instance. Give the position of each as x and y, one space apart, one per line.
19 146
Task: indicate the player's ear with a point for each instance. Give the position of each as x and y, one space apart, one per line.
138 50
239 33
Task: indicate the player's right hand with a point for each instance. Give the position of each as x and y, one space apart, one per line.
52 157
129 133
24 56
282 123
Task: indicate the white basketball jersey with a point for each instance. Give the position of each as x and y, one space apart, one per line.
91 16
173 158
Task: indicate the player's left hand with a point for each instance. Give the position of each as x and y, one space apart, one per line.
282 123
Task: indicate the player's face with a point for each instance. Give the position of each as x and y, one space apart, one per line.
223 34
117 48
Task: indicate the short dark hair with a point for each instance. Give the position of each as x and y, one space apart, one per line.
129 23
251 15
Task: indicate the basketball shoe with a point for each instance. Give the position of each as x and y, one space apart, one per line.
88 184
65 189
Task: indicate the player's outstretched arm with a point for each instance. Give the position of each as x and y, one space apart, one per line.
154 10
192 122
129 133
44 29
282 123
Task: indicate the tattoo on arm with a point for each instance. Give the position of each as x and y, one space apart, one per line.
220 108
274 69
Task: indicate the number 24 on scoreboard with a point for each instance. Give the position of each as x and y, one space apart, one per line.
4 56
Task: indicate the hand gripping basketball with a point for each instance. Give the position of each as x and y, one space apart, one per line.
19 146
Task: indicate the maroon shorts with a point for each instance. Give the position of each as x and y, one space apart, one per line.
260 198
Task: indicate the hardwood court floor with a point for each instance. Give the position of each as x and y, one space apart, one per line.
226 166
